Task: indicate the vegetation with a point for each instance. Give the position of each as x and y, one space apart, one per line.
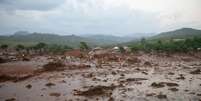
121 49
54 48
173 45
84 46
19 47
4 46
39 48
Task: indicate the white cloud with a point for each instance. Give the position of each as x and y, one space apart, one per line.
99 16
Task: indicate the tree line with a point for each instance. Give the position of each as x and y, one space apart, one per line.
172 45
43 48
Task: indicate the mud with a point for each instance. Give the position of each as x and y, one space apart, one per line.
170 78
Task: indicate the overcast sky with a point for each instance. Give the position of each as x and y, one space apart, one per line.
113 17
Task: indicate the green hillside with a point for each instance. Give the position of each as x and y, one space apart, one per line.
179 34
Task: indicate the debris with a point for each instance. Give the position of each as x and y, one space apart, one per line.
50 84
29 86
114 73
4 78
150 94
162 96
53 66
147 63
181 77
111 99
197 71
136 79
2 60
170 84
162 84
78 66
145 73
11 99
25 59
173 89
95 91
199 94
157 85
170 73
55 94
133 60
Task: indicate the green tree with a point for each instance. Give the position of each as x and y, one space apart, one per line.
41 47
4 46
84 46
121 49
19 47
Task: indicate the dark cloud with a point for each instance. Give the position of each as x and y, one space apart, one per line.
41 5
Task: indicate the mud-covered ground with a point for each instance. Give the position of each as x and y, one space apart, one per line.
149 78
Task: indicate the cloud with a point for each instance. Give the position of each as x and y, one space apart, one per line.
30 4
98 16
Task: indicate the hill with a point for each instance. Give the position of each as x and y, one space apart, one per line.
178 34
182 33
26 38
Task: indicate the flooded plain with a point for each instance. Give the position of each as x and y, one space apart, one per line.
152 78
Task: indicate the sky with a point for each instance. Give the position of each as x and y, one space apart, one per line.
108 17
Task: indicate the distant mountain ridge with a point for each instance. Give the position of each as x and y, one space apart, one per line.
182 33
24 37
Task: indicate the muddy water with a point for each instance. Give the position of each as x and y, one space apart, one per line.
133 83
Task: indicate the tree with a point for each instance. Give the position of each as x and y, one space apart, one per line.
121 49
4 46
84 46
143 42
19 47
40 46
